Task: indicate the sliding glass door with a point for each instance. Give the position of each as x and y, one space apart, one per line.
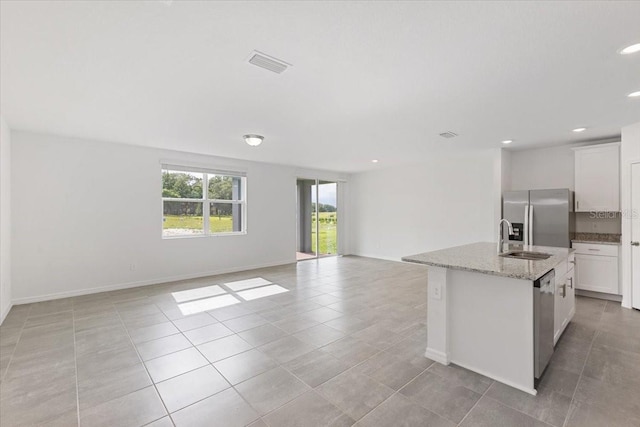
317 218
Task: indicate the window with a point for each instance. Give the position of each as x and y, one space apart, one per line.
200 202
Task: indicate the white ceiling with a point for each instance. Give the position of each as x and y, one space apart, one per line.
370 80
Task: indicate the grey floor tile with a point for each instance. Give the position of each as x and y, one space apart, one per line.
464 377
622 397
316 367
585 415
152 332
447 399
621 342
389 370
354 393
286 349
613 365
186 389
44 398
378 336
231 312
412 350
174 364
208 333
224 347
399 411
162 346
319 335
245 365
348 324
295 323
138 408
97 389
244 323
310 410
322 315
262 335
225 409
490 413
162 422
196 321
271 389
550 405
351 350
65 317
98 364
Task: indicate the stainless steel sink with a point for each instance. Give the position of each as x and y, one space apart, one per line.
528 255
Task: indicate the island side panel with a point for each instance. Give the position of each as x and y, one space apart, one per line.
491 326
437 316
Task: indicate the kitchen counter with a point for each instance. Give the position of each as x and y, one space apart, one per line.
598 238
483 310
483 258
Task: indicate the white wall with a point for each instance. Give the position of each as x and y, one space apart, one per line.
5 219
84 211
447 200
630 152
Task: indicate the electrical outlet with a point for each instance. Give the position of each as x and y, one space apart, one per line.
133 267
437 291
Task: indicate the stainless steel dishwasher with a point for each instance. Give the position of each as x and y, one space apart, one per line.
543 307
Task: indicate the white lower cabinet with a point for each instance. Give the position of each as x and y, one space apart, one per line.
597 268
565 301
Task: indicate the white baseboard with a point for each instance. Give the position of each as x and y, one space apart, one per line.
155 281
599 295
437 356
4 313
386 258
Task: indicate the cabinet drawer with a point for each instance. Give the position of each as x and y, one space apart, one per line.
595 249
571 262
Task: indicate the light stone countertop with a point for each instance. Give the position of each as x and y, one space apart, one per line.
483 258
595 242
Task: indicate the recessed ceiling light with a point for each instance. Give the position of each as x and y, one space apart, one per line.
507 141
253 140
579 130
374 161
634 94
630 49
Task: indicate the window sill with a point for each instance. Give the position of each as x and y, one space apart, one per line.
200 236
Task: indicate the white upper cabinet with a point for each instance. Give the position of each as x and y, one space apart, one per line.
598 178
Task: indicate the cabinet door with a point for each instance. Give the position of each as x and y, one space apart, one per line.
597 179
570 303
597 273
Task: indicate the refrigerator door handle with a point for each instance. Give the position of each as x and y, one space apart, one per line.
531 224
526 224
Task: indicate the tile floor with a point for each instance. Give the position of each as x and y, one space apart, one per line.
344 345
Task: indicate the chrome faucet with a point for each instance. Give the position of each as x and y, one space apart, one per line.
501 234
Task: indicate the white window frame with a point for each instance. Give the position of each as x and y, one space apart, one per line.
206 201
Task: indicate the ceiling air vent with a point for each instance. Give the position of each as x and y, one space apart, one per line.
448 134
267 62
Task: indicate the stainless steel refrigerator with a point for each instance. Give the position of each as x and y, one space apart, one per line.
539 217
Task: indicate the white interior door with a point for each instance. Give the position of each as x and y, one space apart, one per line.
635 234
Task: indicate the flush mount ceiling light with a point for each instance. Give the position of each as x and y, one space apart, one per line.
375 161
253 140
577 130
630 49
634 94
507 141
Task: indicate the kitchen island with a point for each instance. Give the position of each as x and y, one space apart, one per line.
480 309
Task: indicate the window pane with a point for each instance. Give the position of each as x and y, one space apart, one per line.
182 218
181 185
225 217
224 187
